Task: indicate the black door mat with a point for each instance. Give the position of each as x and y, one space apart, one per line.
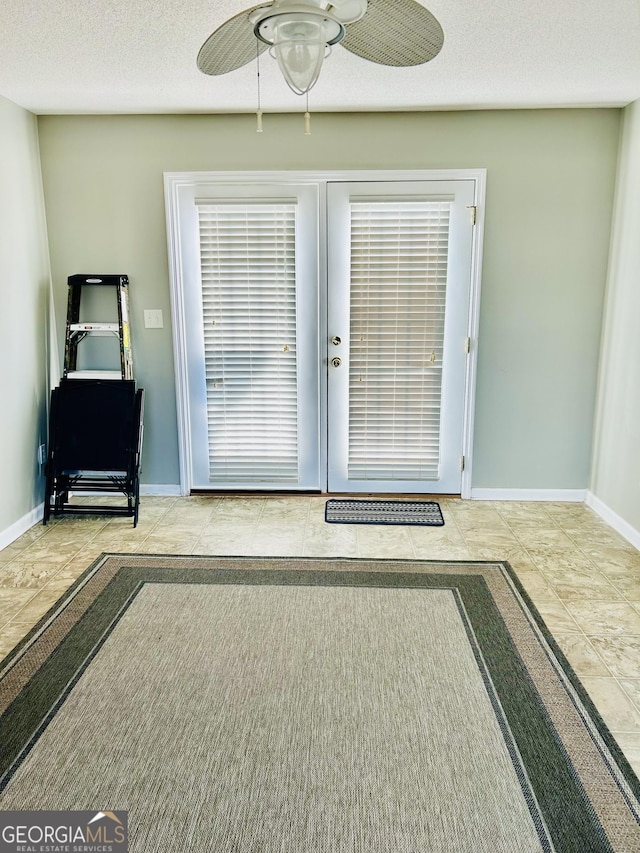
426 513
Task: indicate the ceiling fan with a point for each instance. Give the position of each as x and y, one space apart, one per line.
300 33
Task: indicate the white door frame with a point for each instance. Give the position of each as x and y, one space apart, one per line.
180 244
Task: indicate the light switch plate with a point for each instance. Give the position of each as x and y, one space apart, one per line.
153 318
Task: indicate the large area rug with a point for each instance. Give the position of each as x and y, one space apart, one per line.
311 706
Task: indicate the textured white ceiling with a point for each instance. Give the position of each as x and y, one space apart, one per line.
125 56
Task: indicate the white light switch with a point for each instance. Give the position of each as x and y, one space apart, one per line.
153 318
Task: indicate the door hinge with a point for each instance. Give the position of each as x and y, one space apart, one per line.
467 345
462 463
473 210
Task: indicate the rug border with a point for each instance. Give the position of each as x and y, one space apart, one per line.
40 624
603 730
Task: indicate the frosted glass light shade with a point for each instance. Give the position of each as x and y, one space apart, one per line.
299 47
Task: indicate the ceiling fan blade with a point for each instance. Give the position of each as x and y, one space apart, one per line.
232 45
395 32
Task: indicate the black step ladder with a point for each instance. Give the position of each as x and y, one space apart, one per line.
77 330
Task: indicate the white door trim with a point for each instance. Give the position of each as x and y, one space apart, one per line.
176 240
480 177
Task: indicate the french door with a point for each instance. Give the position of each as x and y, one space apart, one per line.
321 332
399 275
250 265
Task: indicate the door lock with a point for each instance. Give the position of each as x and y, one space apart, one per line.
336 341
336 362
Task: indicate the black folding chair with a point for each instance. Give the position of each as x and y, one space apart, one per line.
95 445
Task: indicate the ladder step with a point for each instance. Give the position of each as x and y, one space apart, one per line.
95 327
94 374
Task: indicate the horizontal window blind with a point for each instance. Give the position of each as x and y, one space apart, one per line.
399 253
247 256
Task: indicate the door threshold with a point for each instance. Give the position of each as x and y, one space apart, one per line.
354 495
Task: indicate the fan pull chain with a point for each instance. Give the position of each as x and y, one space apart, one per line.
307 119
259 110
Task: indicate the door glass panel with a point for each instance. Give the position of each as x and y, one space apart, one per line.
399 255
247 258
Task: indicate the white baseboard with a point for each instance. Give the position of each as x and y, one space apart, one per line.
21 526
168 490
614 520
559 495
150 490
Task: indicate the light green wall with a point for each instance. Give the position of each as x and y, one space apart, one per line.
616 462
24 301
550 187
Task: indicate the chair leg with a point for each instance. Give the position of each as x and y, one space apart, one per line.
48 488
136 499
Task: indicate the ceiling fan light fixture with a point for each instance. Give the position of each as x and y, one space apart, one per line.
299 37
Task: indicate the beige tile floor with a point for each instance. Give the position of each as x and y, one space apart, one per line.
583 577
